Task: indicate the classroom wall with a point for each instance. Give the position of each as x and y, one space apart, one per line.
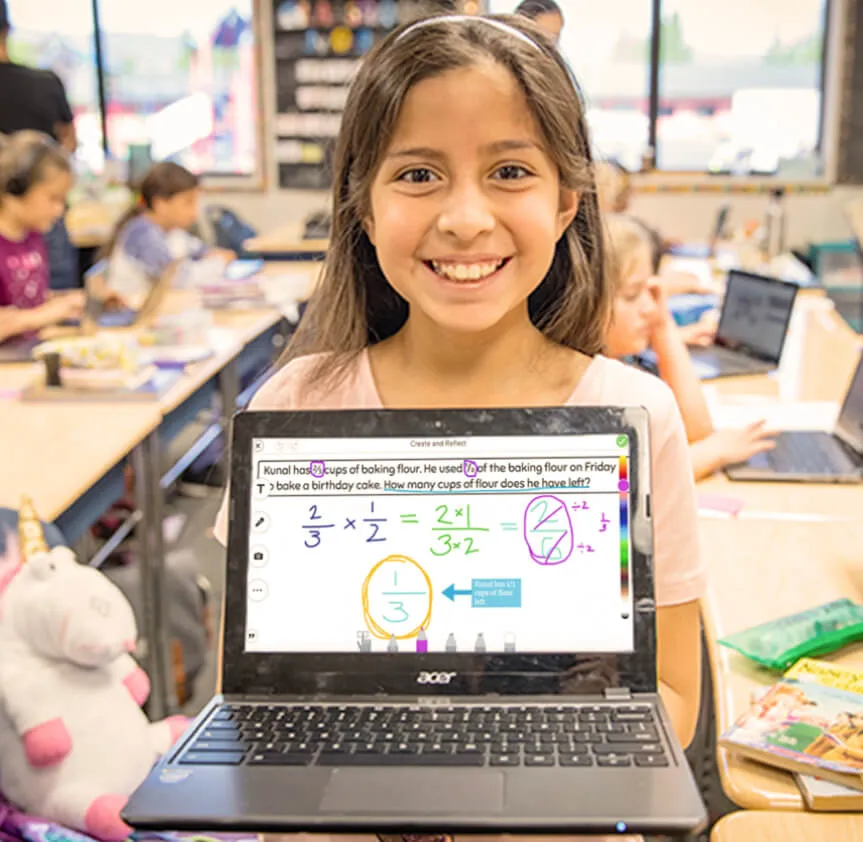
811 217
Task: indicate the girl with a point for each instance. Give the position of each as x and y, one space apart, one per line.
641 320
546 14
151 239
466 270
35 176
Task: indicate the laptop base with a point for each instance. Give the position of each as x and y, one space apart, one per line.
244 797
809 456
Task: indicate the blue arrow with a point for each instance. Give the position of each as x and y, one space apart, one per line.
452 593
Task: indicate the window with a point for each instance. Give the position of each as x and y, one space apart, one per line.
740 84
180 76
737 85
71 56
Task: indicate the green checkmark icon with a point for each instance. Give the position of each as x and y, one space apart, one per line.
622 441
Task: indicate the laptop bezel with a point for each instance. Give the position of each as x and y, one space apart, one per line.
844 435
349 674
741 347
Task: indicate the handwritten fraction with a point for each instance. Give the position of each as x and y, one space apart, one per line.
397 598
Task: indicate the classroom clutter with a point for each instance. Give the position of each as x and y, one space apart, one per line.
817 631
809 723
74 741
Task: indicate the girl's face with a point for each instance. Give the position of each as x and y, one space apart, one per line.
44 203
466 207
178 211
634 310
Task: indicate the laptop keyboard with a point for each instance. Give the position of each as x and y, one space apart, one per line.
393 735
806 453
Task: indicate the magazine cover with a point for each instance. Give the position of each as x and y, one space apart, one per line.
798 724
830 675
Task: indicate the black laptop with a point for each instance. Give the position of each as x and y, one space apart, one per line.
752 328
435 621
812 455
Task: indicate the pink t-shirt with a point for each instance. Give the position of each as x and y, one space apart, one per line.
24 272
679 573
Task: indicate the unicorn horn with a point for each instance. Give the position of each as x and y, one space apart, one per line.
30 533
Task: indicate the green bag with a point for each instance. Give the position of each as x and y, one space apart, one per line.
780 643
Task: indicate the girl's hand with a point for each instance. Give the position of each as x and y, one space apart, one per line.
662 319
735 446
68 305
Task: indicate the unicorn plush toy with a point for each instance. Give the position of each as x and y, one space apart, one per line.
74 742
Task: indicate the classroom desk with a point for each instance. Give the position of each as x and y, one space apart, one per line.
768 826
287 241
792 546
71 463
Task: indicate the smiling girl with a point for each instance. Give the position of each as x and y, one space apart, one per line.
466 270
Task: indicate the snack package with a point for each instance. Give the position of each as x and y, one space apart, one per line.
818 631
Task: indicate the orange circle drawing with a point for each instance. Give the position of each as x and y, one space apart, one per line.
374 627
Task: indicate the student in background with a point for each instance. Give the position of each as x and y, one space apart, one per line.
466 269
613 186
35 176
546 14
641 320
144 245
35 100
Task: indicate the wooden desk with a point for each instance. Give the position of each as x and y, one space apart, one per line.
765 567
767 826
91 223
286 239
57 452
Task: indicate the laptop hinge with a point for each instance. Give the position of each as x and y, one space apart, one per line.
617 693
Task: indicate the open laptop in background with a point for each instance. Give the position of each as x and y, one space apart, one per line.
437 620
18 349
708 249
814 455
753 324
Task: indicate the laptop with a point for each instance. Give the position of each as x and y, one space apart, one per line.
19 349
436 620
753 324
812 455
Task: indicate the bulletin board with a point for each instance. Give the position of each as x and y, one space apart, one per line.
319 45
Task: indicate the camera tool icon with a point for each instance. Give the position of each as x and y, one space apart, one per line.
259 557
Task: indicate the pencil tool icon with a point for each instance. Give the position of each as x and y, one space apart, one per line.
450 643
422 641
393 645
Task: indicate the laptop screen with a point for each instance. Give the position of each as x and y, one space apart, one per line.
849 425
755 315
420 545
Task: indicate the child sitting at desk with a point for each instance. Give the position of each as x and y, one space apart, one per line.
35 176
641 320
152 237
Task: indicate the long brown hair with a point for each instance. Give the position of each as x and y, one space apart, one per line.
354 306
162 181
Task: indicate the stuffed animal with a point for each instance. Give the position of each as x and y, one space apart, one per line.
74 742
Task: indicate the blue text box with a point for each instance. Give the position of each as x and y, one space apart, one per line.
496 593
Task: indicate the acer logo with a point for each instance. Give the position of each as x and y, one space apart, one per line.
436 677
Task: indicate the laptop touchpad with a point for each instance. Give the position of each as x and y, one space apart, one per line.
406 791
